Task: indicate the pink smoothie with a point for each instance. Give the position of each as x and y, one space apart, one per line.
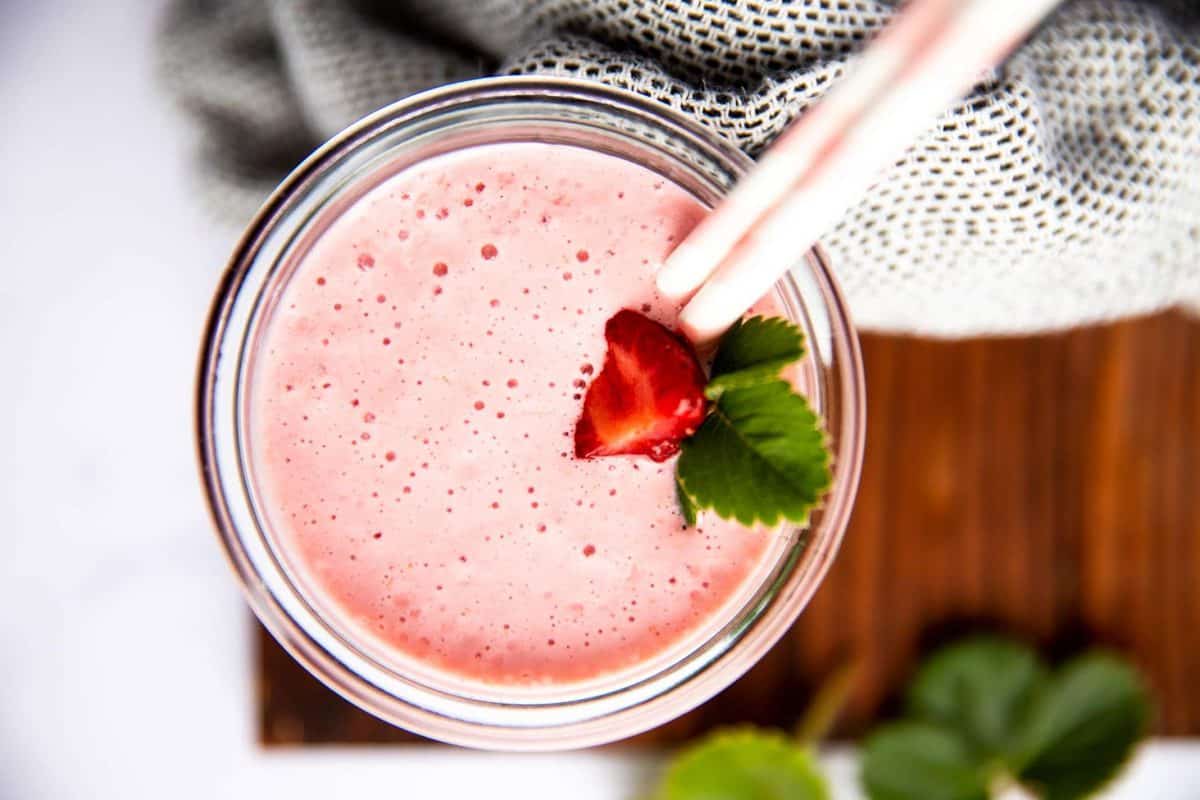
412 411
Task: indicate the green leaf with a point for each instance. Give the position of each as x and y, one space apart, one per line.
754 351
686 506
1082 727
743 765
759 456
979 689
918 761
987 714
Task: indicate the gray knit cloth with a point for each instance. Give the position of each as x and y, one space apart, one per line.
1065 189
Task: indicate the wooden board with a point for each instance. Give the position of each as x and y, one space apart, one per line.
1048 486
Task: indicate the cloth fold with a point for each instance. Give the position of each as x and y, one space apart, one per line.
1065 189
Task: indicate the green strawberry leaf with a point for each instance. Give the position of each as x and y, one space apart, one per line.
759 457
1082 727
754 351
985 713
918 761
686 507
743 764
980 690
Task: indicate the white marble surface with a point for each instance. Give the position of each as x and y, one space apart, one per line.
124 645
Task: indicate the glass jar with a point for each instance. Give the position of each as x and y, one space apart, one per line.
464 115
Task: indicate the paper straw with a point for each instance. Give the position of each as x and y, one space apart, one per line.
921 63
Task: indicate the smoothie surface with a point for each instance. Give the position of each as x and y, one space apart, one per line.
412 406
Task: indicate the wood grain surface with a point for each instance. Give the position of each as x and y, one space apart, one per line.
1046 486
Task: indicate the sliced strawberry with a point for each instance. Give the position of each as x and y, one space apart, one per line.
648 397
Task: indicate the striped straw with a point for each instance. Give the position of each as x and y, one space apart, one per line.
927 58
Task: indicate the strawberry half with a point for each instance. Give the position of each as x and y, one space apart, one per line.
648 397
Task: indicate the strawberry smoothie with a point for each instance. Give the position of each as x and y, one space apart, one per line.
413 400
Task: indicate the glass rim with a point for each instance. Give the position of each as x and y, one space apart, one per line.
432 712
